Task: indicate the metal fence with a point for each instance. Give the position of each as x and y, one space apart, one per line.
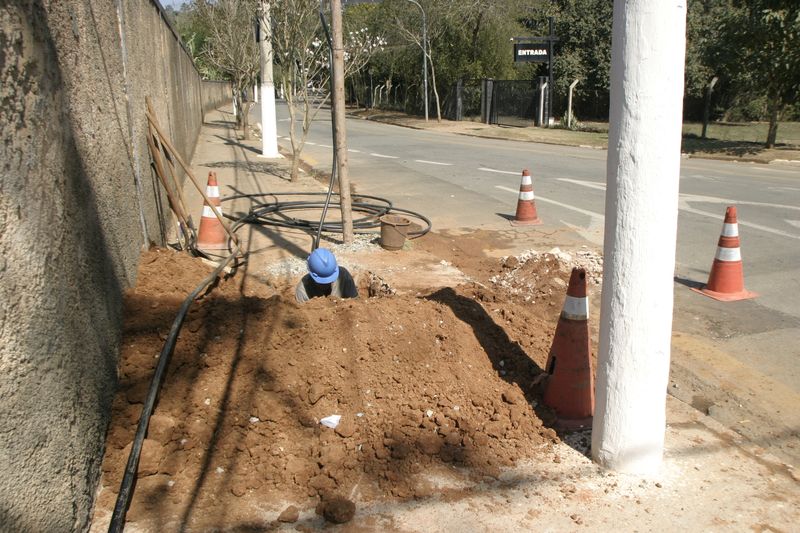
514 103
505 102
463 101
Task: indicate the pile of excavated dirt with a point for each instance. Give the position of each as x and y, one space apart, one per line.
535 275
432 386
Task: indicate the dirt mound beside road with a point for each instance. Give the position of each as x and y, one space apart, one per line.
429 385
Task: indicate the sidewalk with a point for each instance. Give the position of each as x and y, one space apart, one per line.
711 479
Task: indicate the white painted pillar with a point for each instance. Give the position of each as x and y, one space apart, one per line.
269 129
542 88
569 103
647 58
255 93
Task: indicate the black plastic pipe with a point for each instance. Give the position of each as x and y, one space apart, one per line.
126 487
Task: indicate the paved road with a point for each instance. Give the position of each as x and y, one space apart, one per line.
464 181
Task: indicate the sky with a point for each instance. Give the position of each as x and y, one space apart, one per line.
173 3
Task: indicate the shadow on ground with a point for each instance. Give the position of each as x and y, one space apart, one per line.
255 167
691 144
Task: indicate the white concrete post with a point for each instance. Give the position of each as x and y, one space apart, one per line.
542 87
569 103
269 128
647 55
255 93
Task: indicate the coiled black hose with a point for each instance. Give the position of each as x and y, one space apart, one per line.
275 213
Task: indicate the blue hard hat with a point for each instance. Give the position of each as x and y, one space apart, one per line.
322 266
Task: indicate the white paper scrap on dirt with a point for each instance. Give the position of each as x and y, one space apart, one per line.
331 421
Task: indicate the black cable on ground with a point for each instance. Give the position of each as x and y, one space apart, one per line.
275 213
126 486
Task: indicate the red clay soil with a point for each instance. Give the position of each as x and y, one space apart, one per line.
425 384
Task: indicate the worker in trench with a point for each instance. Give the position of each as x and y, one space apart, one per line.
325 278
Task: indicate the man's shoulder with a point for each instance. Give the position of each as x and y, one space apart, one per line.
346 286
301 291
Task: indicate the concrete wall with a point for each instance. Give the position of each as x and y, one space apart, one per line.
78 203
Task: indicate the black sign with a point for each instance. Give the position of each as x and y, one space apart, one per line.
536 52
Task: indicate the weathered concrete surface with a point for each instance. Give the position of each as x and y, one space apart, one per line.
78 202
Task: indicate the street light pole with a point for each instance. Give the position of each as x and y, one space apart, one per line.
424 55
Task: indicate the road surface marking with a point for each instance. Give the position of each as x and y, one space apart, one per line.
768 169
716 200
565 206
701 177
783 188
310 143
590 184
683 205
433 163
795 223
499 171
354 150
325 146
384 156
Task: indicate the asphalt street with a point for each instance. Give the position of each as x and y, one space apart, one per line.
462 181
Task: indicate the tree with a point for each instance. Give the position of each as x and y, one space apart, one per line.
438 20
760 50
194 33
230 46
583 52
301 49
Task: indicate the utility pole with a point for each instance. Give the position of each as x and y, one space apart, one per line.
269 129
424 55
647 62
337 103
550 65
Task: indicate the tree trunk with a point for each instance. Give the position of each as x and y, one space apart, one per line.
246 106
337 106
475 33
294 174
435 91
775 108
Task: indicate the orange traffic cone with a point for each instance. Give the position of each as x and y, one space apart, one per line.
726 282
570 389
526 206
212 234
